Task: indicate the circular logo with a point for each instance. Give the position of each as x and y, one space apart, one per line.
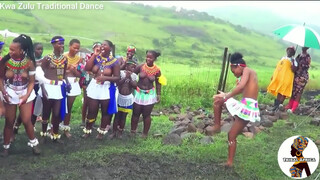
298 157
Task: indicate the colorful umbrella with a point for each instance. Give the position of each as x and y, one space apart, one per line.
301 35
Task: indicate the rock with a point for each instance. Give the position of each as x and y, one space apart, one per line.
245 129
179 106
188 108
226 127
273 118
200 125
185 122
171 118
310 103
264 112
317 142
186 135
176 111
267 123
181 116
154 113
206 140
178 130
157 135
277 114
228 119
252 129
172 139
262 128
248 134
191 128
200 130
257 130
262 107
315 121
284 116
209 131
282 108
200 116
210 116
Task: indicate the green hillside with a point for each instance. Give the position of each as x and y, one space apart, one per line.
195 40
182 37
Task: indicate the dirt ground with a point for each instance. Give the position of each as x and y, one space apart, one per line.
55 163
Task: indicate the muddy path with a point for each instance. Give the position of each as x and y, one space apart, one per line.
81 158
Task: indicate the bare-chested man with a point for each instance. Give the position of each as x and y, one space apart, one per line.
244 111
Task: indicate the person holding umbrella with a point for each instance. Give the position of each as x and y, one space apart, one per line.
282 80
301 77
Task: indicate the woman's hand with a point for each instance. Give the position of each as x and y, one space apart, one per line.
23 99
6 97
97 51
100 79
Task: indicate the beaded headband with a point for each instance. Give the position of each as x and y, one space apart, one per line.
57 40
242 65
131 48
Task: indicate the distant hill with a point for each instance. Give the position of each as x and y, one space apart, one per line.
187 37
261 20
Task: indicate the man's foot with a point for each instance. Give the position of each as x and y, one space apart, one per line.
5 153
67 134
36 150
99 136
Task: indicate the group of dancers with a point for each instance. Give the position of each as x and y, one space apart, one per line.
48 86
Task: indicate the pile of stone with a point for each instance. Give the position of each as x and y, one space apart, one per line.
187 124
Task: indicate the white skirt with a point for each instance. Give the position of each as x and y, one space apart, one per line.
246 109
75 87
54 91
125 100
15 95
98 91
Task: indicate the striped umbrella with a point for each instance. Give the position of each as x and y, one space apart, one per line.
301 35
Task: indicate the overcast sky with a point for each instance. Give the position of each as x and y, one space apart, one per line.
307 11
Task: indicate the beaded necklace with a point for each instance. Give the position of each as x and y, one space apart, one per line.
150 71
106 63
58 63
73 60
16 66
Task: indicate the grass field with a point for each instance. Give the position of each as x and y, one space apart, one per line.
256 158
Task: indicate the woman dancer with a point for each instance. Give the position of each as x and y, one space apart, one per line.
53 93
17 76
73 75
106 70
145 96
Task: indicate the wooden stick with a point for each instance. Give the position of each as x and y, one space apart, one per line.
226 74
222 69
